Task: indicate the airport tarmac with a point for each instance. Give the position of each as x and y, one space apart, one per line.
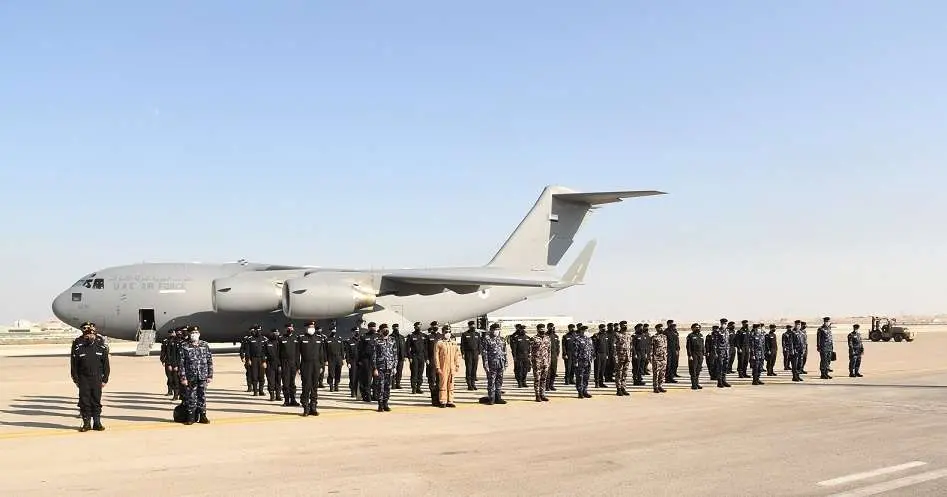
883 434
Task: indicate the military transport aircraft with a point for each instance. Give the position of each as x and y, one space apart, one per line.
226 299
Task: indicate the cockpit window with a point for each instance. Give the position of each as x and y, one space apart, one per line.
86 281
98 284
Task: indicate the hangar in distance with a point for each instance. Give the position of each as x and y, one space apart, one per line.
226 299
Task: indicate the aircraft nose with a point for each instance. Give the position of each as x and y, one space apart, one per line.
60 306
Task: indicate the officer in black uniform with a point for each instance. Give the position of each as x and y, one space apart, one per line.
255 356
610 332
470 349
695 355
401 351
710 352
431 339
553 356
166 364
674 351
335 353
417 356
772 349
639 355
274 377
246 364
289 364
731 331
742 342
312 354
351 359
366 351
567 340
89 367
600 341
520 349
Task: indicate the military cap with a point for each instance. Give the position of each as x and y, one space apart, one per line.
583 327
289 325
622 323
194 328
571 326
601 326
396 325
384 326
715 328
659 326
797 321
744 321
856 326
433 323
471 323
495 326
540 326
695 326
826 319
371 324
788 326
310 323
638 326
723 320
772 326
670 322
417 323
445 327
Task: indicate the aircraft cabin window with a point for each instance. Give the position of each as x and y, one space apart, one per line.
98 284
77 297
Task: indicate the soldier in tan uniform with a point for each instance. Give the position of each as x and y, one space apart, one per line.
659 358
539 356
447 363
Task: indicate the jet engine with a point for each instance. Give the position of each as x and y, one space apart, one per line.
246 294
325 295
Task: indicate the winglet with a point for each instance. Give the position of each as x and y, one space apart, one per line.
575 275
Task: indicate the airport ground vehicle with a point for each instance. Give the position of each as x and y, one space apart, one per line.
884 329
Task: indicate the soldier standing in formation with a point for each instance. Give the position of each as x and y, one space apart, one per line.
470 348
695 355
519 347
254 357
756 342
805 346
384 355
582 354
539 357
335 353
417 354
787 346
674 351
566 354
639 355
401 348
243 359
772 349
274 380
722 354
432 338
166 364
710 350
731 331
170 357
825 348
351 359
855 351
610 332
447 364
795 349
623 351
89 368
493 350
289 364
659 358
196 372
742 342
553 356
312 356
365 352
600 341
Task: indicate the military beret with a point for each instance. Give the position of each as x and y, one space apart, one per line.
550 325
788 326
659 326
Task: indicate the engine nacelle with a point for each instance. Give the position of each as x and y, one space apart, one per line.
246 294
325 296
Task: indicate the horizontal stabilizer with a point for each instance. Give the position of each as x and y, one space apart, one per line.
599 198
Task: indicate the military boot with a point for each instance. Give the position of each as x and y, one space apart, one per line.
202 419
279 395
189 419
97 424
176 396
293 402
305 411
385 407
85 424
499 400
543 397
169 391
272 396
312 410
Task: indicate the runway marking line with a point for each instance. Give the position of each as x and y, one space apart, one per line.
869 474
893 484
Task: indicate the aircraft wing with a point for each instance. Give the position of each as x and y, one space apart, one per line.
465 277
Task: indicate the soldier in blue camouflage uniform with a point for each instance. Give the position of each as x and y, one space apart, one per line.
623 351
583 353
493 355
539 357
794 348
825 347
384 359
855 351
722 354
196 372
756 343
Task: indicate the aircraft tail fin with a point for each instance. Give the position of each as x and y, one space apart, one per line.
546 233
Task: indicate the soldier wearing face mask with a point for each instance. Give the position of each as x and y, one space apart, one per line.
274 378
312 355
417 357
289 364
447 364
539 356
582 354
470 348
493 350
384 356
401 348
431 340
566 358
351 359
197 371
255 356
554 346
335 351
89 366
366 351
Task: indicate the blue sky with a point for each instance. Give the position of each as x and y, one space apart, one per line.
803 144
